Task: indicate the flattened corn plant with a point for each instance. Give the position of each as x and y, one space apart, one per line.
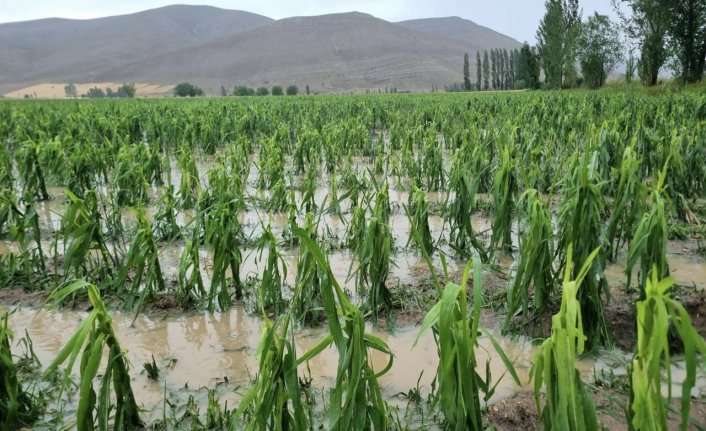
114 406
355 400
273 275
463 189
580 221
456 334
628 203
18 406
568 405
417 211
649 242
530 290
656 314
505 190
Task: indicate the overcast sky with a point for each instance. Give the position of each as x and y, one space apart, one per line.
515 18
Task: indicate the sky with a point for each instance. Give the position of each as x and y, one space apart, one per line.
515 18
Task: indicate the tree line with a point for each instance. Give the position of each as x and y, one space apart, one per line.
500 69
186 89
572 51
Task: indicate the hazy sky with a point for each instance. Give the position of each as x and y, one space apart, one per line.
516 18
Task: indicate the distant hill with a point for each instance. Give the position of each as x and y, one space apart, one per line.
462 30
213 47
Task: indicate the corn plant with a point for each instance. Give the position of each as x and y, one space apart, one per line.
649 242
456 334
308 189
355 400
628 204
274 401
568 405
164 222
31 172
418 214
129 178
534 272
191 289
141 273
461 208
310 279
115 400
656 314
83 235
18 406
273 275
580 222
504 191
189 185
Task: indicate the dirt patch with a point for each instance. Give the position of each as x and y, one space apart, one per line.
13 295
517 413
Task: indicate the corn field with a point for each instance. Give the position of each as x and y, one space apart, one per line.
352 218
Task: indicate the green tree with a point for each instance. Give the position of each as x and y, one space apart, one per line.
630 68
528 67
186 89
466 73
70 90
687 31
126 90
277 91
243 90
292 90
599 49
486 71
479 71
550 42
308 90
647 25
262 91
572 32
494 69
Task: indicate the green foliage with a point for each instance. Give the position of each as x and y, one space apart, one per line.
599 49
456 334
186 89
534 271
568 405
355 399
656 314
277 90
580 222
18 406
418 214
649 242
292 90
115 400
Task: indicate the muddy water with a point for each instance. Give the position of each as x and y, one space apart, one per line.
687 271
201 350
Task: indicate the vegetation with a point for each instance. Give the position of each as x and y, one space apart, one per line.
255 203
186 89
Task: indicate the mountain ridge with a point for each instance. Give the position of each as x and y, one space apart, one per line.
212 47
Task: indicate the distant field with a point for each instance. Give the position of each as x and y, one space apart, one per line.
55 90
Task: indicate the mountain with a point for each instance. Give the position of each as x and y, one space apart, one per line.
462 30
213 47
79 50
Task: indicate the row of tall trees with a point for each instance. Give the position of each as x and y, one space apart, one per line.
501 69
664 32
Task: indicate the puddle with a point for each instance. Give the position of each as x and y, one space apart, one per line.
685 270
208 349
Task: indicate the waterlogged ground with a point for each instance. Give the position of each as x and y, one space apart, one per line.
198 350
205 351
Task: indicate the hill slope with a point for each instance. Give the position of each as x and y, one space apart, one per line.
462 30
337 52
79 50
213 47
